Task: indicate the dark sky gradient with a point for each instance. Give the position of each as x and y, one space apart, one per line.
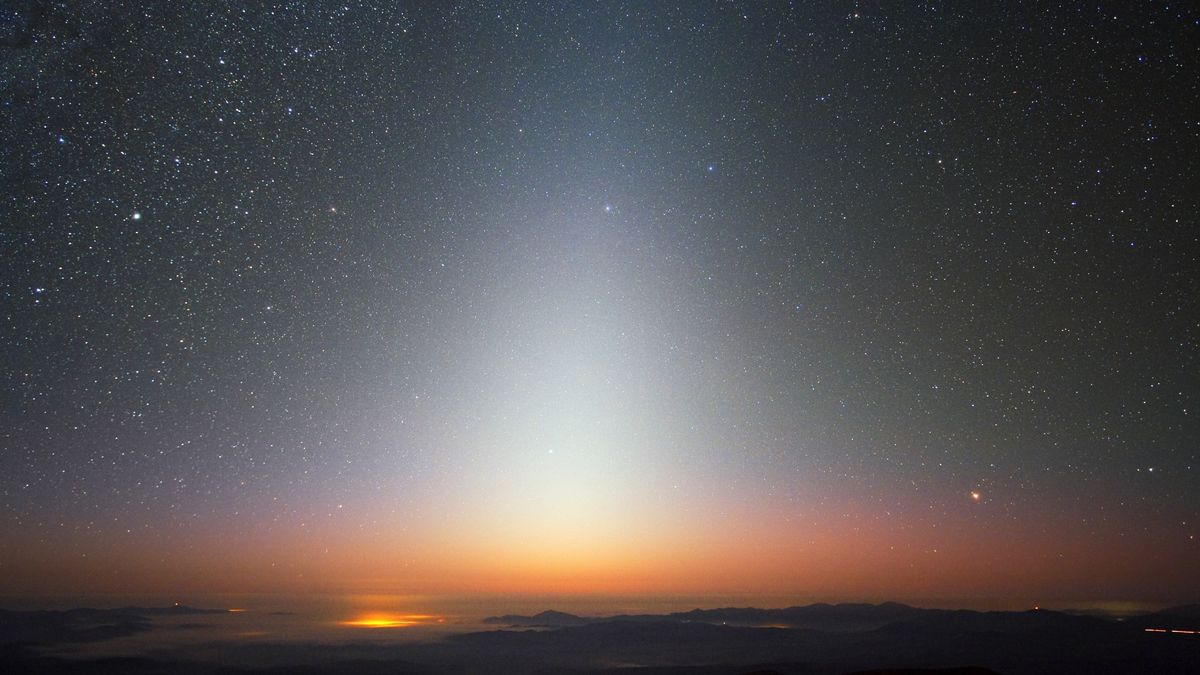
865 300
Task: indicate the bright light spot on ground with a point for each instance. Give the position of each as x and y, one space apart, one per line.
387 620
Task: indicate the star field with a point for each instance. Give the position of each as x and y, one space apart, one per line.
612 296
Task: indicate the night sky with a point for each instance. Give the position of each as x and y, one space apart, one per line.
849 300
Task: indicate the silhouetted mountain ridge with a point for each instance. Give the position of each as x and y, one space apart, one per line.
84 624
1036 642
819 639
548 618
1182 616
839 617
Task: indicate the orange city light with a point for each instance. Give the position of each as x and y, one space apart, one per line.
387 620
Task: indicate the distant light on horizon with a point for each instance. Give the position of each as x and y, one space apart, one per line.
388 620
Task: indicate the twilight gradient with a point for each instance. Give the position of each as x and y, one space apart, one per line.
751 300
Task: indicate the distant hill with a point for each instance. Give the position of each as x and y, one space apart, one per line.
83 624
1185 617
822 639
821 616
172 610
547 619
905 639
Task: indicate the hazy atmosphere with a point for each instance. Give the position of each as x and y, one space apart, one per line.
457 309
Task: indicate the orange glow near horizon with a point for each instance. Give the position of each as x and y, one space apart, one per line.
763 557
720 548
389 620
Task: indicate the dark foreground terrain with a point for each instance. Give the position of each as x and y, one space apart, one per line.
816 639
